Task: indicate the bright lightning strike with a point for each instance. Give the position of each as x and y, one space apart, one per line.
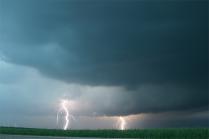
64 107
122 123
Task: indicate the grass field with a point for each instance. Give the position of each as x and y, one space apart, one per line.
182 133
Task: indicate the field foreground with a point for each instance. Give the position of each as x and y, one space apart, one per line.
174 133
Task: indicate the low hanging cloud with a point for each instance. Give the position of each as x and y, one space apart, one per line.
42 96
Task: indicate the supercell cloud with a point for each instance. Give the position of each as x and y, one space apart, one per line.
116 57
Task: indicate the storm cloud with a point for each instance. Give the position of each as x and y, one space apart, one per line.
120 57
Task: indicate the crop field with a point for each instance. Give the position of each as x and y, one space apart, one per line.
170 133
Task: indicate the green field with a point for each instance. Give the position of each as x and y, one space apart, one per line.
174 133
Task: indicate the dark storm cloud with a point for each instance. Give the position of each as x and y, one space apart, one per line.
129 43
110 43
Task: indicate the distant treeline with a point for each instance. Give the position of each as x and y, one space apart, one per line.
162 133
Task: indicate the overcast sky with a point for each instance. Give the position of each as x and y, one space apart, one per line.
144 60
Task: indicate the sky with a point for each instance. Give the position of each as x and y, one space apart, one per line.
143 60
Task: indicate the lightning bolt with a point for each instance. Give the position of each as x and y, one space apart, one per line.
64 107
121 123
